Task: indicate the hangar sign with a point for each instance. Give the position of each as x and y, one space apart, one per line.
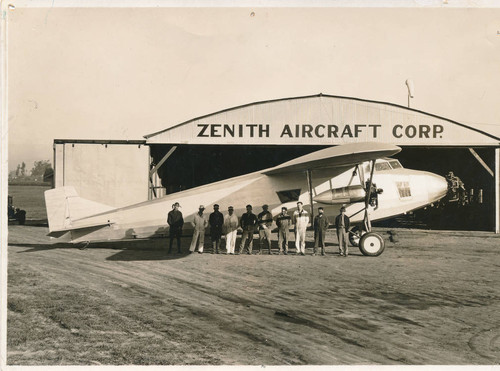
316 131
322 120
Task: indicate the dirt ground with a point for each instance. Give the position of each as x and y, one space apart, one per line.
431 298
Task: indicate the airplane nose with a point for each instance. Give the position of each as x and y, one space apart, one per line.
437 187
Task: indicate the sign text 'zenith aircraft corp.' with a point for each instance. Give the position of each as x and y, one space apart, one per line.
358 176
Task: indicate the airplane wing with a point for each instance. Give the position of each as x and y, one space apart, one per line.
346 155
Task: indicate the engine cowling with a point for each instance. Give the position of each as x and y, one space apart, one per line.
343 195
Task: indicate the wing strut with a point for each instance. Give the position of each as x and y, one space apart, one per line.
366 219
309 186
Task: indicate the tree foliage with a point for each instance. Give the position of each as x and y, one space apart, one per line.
39 168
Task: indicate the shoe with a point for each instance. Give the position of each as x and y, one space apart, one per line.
302 254
286 253
200 252
270 252
190 252
313 254
249 253
259 253
322 254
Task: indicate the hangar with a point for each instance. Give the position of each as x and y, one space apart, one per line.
258 135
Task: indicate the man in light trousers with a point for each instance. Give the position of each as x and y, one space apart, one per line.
200 224
300 219
230 228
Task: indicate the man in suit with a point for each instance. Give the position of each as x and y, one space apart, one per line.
175 221
216 220
321 224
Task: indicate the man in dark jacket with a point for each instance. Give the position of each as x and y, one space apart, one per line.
283 222
265 220
342 224
175 221
321 224
216 220
248 221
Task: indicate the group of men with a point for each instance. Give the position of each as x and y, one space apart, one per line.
249 222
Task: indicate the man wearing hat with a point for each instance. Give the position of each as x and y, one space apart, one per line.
321 224
342 224
175 221
230 229
216 220
283 222
200 223
265 221
248 221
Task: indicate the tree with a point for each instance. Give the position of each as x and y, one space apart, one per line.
39 168
23 169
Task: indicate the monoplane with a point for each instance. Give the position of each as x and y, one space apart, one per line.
360 176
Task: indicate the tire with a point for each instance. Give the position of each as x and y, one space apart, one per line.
371 244
355 236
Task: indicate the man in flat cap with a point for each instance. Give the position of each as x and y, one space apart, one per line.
230 229
248 222
321 224
283 222
216 220
342 223
265 221
175 221
200 223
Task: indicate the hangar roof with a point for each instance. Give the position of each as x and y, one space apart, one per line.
322 120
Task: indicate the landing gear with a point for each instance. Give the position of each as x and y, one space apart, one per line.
84 245
355 234
371 244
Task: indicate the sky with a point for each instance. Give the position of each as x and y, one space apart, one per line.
122 73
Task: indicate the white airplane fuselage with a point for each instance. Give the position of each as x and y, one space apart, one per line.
403 190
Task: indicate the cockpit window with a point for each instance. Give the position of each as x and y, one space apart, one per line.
381 166
395 164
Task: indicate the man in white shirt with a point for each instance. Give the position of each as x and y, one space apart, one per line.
200 224
300 219
230 228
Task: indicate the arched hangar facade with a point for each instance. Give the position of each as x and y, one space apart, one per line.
258 135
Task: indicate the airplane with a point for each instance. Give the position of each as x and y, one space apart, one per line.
359 176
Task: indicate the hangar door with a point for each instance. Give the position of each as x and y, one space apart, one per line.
114 173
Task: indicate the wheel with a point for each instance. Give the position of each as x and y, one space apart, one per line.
355 235
371 244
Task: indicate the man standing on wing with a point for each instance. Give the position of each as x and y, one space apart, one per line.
200 223
230 229
265 220
300 219
283 222
321 224
248 221
342 223
175 221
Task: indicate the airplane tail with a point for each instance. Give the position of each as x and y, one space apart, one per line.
64 206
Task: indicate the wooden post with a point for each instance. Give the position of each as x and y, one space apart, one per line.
497 190
309 185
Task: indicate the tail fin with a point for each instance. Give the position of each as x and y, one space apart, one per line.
65 206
